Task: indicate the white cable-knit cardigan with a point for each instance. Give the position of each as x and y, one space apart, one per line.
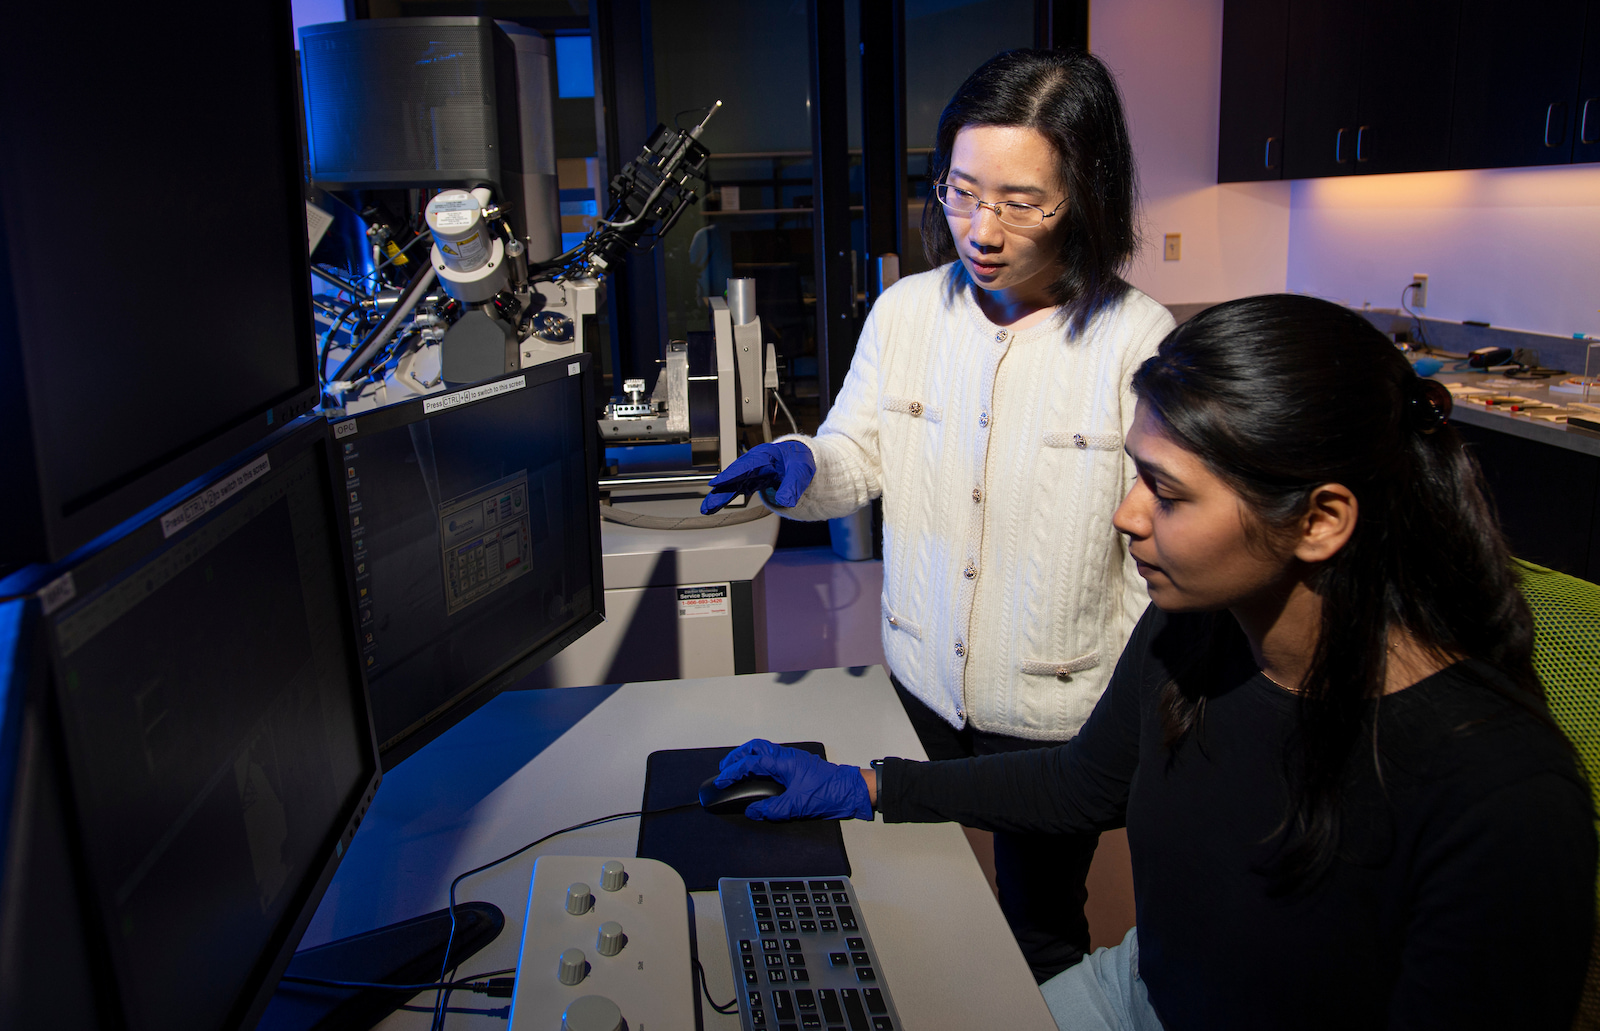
1008 595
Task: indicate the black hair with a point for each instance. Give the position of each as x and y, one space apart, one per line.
1278 395
1070 98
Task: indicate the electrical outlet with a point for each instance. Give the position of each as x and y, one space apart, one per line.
1419 292
1174 249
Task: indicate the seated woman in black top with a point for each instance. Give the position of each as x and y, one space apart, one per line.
1346 803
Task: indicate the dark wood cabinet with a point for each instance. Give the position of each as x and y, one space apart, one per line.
1405 101
1376 86
1586 122
1516 84
1320 93
1547 498
1250 135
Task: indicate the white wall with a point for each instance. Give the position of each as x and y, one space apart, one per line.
1167 56
1518 248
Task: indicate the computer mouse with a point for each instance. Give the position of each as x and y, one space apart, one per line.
731 800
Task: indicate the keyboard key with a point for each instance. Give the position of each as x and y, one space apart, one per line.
788 1027
786 927
764 926
749 962
759 900
799 974
860 959
783 1005
847 919
758 1018
865 974
830 1006
811 1022
824 911
808 927
841 899
757 886
804 912
788 885
744 945
763 913
797 959
750 977
754 998
882 1024
828 926
791 945
874 1000
820 898
777 977
784 913
774 959
852 1009
834 885
806 999
780 899
838 959
855 944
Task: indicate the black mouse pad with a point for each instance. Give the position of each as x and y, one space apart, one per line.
703 847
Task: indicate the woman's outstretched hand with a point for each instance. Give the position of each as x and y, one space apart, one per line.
785 469
813 787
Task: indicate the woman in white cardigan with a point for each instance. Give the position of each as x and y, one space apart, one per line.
986 404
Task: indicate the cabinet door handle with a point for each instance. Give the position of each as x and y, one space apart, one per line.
1584 130
1555 124
1361 143
1266 157
1338 148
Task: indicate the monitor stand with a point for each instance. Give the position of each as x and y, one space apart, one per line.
409 952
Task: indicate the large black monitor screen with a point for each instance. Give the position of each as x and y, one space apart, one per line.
475 542
183 146
217 734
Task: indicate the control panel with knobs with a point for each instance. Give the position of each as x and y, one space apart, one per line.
599 961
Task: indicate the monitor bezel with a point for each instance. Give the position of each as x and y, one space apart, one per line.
308 434
453 711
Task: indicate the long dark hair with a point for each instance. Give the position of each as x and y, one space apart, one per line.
1278 394
1071 99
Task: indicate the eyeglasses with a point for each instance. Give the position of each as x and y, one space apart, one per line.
1013 213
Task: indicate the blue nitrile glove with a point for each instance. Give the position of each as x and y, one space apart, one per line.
813 787
785 467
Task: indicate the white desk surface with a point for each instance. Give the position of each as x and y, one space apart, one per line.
530 762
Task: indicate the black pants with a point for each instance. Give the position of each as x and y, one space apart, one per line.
1040 876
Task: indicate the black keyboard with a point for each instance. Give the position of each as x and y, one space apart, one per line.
802 958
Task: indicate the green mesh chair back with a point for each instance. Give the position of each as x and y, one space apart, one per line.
1566 655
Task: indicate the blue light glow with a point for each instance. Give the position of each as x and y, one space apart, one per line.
574 67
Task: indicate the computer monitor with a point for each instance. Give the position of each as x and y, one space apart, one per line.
212 751
155 299
475 542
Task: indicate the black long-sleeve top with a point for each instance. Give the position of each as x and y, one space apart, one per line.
1463 894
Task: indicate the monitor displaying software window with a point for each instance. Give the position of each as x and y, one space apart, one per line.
475 542
216 736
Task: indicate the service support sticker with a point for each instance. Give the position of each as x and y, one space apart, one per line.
706 600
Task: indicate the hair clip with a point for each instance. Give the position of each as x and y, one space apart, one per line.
1430 404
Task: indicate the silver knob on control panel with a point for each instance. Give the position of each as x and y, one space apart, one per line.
612 876
592 1013
610 941
574 965
579 898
